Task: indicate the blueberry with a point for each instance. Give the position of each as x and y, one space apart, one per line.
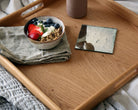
52 24
49 21
40 21
56 25
47 25
32 20
35 23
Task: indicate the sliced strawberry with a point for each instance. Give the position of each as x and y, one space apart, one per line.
36 31
30 27
33 27
34 35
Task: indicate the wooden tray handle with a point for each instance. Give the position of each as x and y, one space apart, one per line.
122 11
124 78
18 15
27 83
110 89
30 6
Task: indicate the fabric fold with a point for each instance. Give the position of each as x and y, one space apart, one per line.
14 96
17 47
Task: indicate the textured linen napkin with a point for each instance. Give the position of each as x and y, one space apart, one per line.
14 96
17 47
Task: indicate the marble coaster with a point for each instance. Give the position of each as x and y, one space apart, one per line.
98 39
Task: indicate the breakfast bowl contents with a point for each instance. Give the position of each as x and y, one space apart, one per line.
44 32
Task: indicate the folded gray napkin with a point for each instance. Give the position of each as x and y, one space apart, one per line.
16 47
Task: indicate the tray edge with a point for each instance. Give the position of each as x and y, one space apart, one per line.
111 88
122 11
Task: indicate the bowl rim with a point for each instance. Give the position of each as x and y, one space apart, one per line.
35 41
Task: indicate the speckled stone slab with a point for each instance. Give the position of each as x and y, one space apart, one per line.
98 39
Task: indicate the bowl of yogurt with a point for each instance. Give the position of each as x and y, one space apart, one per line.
44 32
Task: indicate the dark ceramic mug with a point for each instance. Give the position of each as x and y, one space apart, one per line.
76 8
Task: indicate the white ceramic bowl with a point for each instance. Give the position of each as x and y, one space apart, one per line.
47 44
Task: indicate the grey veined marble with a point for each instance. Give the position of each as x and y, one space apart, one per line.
98 39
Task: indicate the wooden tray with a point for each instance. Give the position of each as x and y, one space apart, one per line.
88 77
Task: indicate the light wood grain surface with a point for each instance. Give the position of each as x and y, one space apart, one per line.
71 84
